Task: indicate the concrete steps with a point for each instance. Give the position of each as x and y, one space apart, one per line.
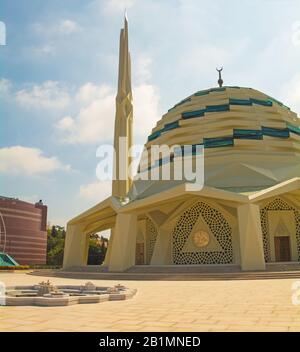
174 273
88 269
184 269
288 266
176 277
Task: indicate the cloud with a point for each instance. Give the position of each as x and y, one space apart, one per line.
65 124
68 27
61 27
95 119
53 33
93 105
5 86
28 161
96 191
90 92
94 122
48 95
146 110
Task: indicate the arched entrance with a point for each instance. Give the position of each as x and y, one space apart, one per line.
281 231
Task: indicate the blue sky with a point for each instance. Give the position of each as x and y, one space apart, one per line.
58 76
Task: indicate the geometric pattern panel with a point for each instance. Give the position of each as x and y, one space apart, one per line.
201 233
151 236
277 204
217 225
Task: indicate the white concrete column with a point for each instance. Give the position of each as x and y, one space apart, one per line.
122 255
108 251
162 249
76 247
251 240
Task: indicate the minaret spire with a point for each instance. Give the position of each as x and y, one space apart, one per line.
123 118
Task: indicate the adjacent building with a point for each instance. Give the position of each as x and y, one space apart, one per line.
23 230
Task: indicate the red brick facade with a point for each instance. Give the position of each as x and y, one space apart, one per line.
26 236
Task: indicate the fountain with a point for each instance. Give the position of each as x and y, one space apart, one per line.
47 294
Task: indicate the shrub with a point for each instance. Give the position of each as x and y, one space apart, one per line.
17 267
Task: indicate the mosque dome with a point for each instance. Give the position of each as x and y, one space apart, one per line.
251 141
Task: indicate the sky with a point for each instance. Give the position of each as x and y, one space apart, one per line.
58 79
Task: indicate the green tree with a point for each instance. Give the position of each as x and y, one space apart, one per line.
56 242
55 245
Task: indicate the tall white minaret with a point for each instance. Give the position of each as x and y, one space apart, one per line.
123 120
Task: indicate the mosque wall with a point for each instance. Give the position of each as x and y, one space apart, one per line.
207 232
201 233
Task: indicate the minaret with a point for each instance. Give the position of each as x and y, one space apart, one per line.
123 119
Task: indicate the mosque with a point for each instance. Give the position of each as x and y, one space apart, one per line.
247 212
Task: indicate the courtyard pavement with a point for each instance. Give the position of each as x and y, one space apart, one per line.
246 305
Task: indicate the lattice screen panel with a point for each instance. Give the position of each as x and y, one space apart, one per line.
151 236
218 226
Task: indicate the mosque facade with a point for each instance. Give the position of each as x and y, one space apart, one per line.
247 210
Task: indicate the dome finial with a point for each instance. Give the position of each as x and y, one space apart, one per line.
220 80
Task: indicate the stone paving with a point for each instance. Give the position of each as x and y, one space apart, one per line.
247 305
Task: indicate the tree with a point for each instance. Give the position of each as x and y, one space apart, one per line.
55 245
56 242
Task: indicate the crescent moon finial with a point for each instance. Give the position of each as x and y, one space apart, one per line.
220 80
